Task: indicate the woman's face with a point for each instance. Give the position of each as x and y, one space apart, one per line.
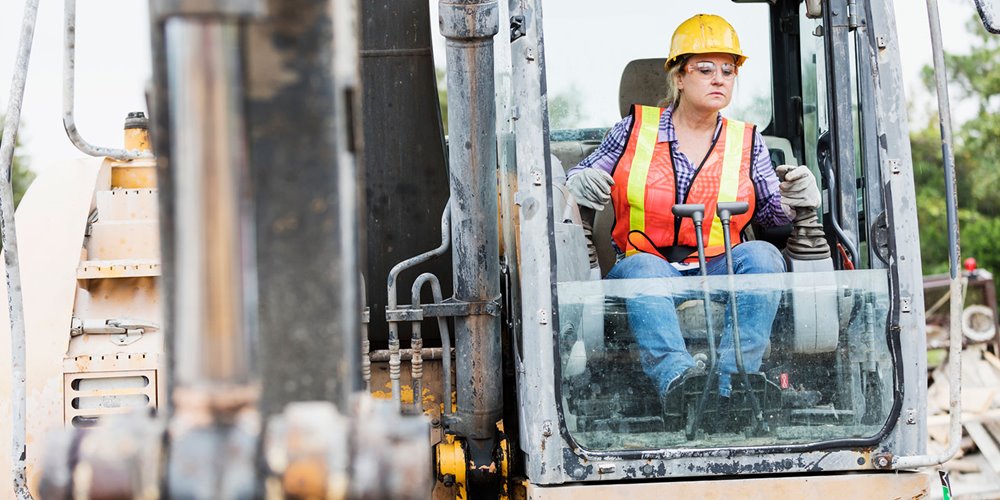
706 81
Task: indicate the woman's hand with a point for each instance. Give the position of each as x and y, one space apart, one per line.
591 187
798 186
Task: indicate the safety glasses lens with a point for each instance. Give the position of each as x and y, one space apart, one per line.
708 68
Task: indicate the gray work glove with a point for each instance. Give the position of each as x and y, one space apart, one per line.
798 186
591 187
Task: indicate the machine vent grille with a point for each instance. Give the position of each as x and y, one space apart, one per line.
92 395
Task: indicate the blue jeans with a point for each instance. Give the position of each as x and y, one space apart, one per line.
653 318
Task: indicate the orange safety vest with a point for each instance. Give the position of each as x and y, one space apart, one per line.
645 190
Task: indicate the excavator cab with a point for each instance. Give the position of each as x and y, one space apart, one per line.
828 362
842 368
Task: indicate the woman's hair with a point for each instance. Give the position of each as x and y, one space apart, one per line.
673 93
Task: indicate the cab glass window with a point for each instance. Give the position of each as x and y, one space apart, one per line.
820 372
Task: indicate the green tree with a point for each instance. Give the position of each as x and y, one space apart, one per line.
442 86
21 175
975 78
566 110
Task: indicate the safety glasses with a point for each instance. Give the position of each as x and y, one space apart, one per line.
707 70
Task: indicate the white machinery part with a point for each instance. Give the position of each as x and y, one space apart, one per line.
978 324
815 309
90 258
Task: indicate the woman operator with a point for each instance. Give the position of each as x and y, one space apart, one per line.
687 152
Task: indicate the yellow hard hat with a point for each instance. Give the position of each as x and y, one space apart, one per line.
704 34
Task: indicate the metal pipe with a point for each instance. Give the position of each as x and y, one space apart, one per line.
366 360
392 300
69 79
382 355
468 27
954 251
212 339
8 233
417 352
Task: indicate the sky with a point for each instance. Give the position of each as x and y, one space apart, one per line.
113 65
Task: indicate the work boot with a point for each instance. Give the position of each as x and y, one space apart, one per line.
694 371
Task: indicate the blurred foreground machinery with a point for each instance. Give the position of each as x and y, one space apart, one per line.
207 341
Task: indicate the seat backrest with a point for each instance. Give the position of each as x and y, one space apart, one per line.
781 150
643 82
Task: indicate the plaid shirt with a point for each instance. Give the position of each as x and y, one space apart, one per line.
768 208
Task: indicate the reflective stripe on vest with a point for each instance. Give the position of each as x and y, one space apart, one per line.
649 131
729 184
645 188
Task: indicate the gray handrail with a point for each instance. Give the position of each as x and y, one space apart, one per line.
8 233
69 80
955 289
826 169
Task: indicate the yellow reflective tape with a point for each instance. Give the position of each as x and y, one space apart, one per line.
649 131
729 182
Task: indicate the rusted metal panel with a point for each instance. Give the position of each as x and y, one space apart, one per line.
904 485
432 398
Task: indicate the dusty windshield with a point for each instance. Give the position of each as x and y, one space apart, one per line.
588 44
823 370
